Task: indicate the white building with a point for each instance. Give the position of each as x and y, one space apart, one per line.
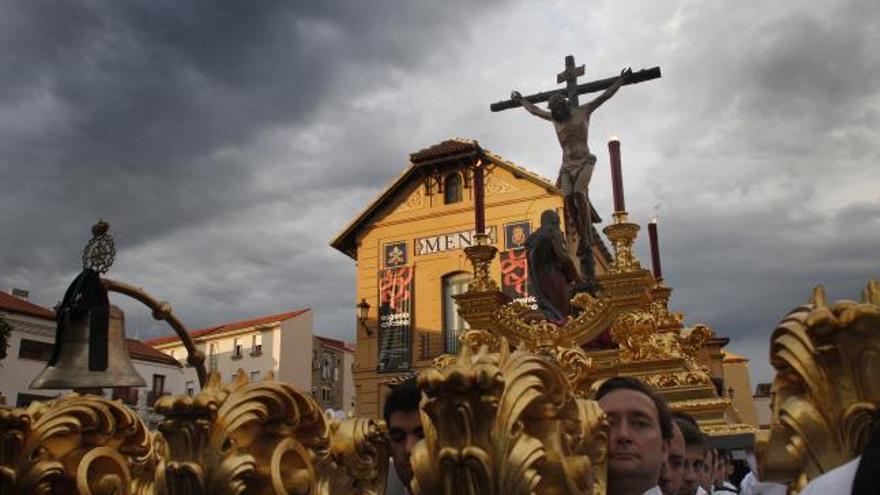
281 344
30 347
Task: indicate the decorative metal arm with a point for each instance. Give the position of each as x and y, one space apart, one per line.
162 311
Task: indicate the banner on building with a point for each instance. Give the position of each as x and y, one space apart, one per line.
451 241
395 318
515 276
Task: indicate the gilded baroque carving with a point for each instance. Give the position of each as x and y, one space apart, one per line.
76 444
640 339
507 423
826 392
265 437
261 438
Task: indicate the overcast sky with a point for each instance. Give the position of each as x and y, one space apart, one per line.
228 142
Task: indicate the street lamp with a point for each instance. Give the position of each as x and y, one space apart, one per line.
363 311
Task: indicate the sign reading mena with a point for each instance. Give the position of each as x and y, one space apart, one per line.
450 241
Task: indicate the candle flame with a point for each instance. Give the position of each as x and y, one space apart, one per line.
654 220
479 162
614 138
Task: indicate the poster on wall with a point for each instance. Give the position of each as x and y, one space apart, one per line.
515 277
395 254
515 234
395 318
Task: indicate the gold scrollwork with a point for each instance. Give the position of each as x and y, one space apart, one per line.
76 444
265 437
826 394
507 423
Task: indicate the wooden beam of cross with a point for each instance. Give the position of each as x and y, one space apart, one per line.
569 77
573 89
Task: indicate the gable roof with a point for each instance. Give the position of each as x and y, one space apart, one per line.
336 344
17 305
143 352
228 327
422 161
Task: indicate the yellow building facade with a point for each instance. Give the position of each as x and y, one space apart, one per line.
422 222
408 245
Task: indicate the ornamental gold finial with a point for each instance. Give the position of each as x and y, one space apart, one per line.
818 298
100 251
871 294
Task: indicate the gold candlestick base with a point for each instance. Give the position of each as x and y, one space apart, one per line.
481 255
622 234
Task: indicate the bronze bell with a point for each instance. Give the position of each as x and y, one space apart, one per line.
71 369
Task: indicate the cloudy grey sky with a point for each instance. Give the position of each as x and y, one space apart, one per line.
227 142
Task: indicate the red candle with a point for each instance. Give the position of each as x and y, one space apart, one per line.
616 175
655 249
479 198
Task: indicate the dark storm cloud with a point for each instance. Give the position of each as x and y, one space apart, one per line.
228 142
766 175
147 112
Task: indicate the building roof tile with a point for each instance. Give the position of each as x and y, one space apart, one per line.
143 352
337 344
228 327
13 304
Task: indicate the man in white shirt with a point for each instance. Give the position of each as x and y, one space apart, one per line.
641 428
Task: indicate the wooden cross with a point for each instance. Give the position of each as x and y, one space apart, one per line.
573 89
569 77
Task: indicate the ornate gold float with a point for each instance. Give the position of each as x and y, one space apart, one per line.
510 414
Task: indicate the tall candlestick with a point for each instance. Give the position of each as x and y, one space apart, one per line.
479 197
616 175
655 250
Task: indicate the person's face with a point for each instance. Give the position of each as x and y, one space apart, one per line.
708 470
692 470
636 447
729 468
404 430
559 110
720 470
673 468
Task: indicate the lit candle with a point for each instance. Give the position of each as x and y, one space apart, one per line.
479 198
655 250
616 175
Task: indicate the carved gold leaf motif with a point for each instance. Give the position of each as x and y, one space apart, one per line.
826 392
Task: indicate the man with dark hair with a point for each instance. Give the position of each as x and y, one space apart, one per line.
693 454
707 478
641 428
401 413
673 468
722 477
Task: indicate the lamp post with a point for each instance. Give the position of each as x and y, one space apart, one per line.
363 311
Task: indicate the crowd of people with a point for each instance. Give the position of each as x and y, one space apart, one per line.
651 451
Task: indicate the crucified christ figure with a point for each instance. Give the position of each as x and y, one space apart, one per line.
572 125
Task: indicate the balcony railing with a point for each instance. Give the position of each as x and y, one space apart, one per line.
430 345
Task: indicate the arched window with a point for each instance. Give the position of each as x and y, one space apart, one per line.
453 324
452 189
